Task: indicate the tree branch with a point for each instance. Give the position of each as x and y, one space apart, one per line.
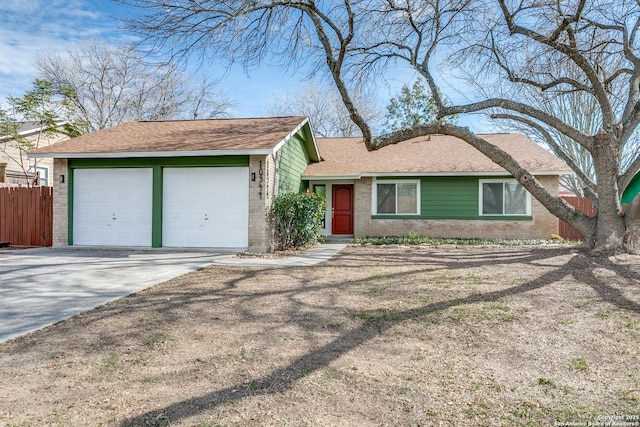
555 205
584 140
335 65
574 54
586 180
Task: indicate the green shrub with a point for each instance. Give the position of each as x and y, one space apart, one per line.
296 219
417 239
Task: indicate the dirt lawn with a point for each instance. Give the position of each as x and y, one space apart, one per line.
378 336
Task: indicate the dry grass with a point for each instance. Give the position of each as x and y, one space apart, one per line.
424 336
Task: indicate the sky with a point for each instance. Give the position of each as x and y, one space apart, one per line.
32 27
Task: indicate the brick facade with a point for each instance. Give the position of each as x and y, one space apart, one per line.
60 203
261 192
542 226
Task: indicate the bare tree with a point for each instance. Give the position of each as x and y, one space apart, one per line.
325 109
507 45
114 84
580 110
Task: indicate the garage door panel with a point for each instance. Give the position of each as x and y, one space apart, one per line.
112 207
206 207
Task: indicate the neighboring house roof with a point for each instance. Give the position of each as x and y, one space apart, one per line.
29 128
185 138
434 155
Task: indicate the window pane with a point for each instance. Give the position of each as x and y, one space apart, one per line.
515 197
320 190
44 175
407 198
386 198
492 198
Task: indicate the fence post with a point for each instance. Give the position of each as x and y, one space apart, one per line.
3 172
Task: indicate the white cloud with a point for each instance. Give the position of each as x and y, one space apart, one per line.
30 27
19 5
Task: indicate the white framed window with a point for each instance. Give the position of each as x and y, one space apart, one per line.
43 171
396 197
44 175
504 197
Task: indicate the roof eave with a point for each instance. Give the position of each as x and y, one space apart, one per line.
462 173
329 177
313 152
137 154
316 176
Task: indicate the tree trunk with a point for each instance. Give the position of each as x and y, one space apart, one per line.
610 228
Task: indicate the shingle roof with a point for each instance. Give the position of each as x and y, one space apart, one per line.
27 129
175 136
437 154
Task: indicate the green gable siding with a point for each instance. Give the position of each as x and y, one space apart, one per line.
449 198
292 161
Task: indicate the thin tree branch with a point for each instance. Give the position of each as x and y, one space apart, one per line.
507 104
574 54
586 180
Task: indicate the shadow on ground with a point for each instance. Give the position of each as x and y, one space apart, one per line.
608 278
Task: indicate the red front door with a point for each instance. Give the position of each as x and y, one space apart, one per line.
342 209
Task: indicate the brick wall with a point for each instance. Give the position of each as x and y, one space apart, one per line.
261 192
541 227
60 203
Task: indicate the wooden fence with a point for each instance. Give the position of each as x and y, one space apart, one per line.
26 216
583 204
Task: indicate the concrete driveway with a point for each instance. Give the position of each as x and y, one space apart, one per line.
39 287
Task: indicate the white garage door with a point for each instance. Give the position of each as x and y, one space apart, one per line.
112 207
205 207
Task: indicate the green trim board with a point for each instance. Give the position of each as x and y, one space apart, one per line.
159 161
475 218
455 197
309 142
632 190
156 212
157 165
69 205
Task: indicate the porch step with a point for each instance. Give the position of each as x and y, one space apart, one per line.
339 238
